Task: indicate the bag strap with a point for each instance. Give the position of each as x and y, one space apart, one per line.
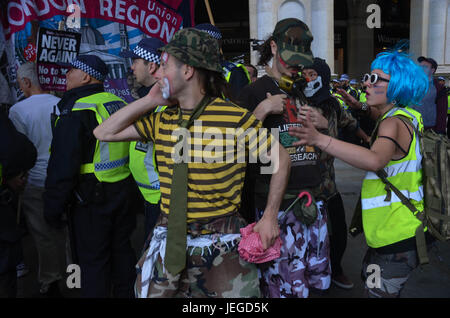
420 234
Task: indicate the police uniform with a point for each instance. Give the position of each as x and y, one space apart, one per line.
236 74
91 181
17 154
142 154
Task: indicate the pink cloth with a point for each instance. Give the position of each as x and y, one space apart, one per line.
251 250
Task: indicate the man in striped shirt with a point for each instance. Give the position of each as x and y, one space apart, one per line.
203 144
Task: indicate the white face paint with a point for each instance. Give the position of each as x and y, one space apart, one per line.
313 87
165 90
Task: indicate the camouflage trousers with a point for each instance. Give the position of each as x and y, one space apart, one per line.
213 270
304 261
394 270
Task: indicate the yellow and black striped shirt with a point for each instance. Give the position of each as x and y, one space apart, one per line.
216 165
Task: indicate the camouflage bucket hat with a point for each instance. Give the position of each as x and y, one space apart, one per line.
294 39
195 48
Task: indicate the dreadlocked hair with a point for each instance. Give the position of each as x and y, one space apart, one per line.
265 52
213 83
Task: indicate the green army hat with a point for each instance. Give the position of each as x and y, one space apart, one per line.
293 39
195 48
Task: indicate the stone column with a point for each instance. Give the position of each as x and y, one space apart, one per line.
322 28
360 39
436 30
419 28
263 18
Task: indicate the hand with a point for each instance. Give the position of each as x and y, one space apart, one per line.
17 184
317 118
156 98
349 99
275 104
268 230
307 135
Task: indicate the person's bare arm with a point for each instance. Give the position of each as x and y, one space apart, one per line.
373 112
119 127
267 227
364 137
372 159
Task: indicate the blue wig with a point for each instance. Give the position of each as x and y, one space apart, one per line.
408 84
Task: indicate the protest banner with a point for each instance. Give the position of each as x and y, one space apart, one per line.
55 50
106 27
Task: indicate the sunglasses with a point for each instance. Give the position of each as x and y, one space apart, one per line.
373 78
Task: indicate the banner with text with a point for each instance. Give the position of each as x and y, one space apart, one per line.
103 27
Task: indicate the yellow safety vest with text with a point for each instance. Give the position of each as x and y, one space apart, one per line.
110 162
386 220
143 167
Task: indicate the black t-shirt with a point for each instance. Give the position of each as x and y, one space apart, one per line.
305 171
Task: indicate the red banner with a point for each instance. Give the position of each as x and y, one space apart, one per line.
152 17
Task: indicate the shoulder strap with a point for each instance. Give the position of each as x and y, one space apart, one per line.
420 236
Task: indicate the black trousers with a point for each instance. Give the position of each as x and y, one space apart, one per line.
338 238
10 255
448 126
151 215
102 229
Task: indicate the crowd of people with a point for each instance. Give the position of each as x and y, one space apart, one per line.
207 149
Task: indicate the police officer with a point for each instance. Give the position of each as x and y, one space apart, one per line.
235 74
17 156
146 61
337 84
354 86
345 86
91 180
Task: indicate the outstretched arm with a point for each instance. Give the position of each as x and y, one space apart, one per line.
119 127
357 105
267 227
372 159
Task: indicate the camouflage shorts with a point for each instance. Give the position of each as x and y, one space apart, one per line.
395 270
214 271
304 261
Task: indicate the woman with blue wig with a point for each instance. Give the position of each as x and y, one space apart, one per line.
389 226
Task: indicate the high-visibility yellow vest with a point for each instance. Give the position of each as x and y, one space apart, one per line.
387 221
448 110
340 100
227 71
110 162
143 168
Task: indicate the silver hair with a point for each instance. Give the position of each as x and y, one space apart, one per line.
28 70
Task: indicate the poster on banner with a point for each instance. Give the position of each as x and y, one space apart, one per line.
105 27
55 50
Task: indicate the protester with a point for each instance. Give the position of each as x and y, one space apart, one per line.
389 225
146 60
345 85
199 198
327 115
17 156
90 181
304 261
252 71
31 117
